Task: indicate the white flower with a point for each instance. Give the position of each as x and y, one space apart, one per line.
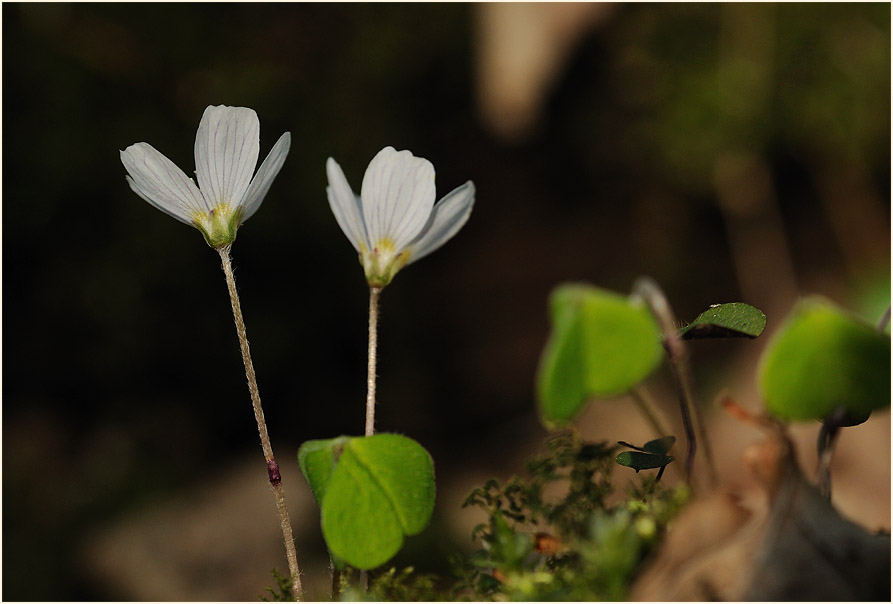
227 146
395 221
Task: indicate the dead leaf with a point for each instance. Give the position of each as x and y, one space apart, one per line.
795 547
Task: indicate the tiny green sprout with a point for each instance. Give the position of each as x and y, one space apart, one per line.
648 457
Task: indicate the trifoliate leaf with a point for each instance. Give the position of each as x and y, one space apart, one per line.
732 320
372 492
823 358
602 345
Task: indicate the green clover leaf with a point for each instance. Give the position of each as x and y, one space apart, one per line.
372 491
602 345
823 358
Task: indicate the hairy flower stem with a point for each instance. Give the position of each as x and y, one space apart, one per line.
272 467
373 354
649 291
374 292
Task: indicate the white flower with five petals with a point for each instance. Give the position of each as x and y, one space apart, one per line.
227 146
395 221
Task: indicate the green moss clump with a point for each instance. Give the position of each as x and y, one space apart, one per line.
576 548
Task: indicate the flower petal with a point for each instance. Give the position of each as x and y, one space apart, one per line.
268 170
226 148
159 181
398 194
448 216
346 206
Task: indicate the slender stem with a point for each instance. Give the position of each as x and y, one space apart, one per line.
831 428
373 354
653 415
649 410
336 581
885 320
678 357
371 376
272 467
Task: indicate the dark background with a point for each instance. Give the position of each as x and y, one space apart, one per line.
731 152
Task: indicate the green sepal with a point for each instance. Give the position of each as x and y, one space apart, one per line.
220 226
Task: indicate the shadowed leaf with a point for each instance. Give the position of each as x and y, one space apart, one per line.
637 460
732 320
660 446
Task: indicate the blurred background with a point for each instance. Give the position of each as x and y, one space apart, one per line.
734 152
